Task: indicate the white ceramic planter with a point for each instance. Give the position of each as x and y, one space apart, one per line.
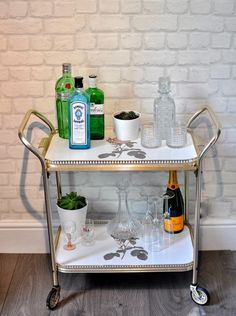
126 129
73 219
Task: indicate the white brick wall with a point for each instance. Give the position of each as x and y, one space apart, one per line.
129 44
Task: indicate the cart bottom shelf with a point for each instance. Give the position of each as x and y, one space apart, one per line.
106 255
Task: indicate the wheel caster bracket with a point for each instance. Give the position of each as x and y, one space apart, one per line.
53 297
199 295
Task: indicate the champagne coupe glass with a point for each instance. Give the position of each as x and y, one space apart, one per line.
69 229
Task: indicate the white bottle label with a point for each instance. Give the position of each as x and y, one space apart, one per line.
96 109
62 95
79 123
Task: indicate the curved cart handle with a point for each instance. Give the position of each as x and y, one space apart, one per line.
217 126
23 138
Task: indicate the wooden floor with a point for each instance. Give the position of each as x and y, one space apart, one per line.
25 281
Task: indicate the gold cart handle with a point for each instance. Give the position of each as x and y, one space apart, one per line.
217 126
23 138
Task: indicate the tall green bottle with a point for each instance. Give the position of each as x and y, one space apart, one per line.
96 109
64 88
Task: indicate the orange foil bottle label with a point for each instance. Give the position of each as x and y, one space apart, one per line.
174 224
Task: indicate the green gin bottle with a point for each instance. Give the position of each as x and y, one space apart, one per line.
64 88
96 109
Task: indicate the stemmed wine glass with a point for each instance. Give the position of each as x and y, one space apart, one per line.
167 219
157 233
69 229
147 222
166 197
150 196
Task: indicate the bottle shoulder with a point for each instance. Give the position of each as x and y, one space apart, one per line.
80 96
95 91
96 95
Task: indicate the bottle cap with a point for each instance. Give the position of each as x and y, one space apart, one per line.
66 68
164 84
92 81
78 82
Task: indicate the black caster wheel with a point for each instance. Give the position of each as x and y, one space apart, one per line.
199 295
53 298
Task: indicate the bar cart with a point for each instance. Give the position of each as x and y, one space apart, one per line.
55 156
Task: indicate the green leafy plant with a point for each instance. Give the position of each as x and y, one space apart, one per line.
71 201
131 115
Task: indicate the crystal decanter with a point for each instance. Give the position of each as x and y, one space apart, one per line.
124 226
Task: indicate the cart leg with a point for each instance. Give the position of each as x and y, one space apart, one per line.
199 295
196 225
186 196
58 181
54 294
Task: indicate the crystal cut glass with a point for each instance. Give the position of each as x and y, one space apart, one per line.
124 225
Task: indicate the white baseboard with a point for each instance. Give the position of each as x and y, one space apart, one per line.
23 236
31 236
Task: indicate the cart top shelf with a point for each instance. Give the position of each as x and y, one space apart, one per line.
111 155
108 155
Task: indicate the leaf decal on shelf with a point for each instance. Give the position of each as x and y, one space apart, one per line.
127 246
121 147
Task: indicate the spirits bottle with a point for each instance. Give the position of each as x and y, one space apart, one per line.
79 117
96 109
174 220
64 88
164 108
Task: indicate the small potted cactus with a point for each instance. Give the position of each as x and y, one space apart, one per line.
126 125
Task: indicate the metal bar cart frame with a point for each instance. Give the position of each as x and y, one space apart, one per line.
198 294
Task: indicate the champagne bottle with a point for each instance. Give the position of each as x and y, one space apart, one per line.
174 220
64 88
96 109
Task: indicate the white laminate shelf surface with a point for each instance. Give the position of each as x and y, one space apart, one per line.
103 152
177 256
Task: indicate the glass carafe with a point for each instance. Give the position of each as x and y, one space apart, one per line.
124 226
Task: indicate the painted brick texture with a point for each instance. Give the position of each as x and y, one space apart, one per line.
129 44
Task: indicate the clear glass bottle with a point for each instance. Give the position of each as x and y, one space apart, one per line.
96 109
124 226
64 88
164 108
79 117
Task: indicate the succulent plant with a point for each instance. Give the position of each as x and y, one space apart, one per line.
71 201
131 115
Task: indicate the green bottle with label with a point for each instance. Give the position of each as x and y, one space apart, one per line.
64 89
96 109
